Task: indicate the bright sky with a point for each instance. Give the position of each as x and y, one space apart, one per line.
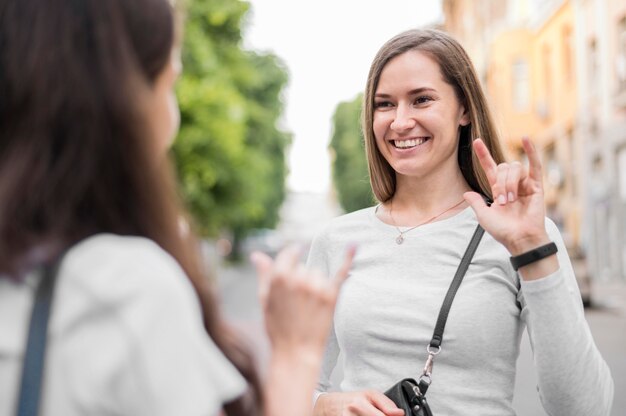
327 46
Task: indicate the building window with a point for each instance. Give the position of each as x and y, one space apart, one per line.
521 85
568 54
573 163
543 104
593 70
621 176
620 58
553 168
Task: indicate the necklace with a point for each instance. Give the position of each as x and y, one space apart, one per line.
400 237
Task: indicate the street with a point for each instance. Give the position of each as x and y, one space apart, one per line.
607 321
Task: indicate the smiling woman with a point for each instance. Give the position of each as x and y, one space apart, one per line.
435 161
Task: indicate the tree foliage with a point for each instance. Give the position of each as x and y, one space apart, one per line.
349 166
229 153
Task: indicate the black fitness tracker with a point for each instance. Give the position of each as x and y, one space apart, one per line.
533 255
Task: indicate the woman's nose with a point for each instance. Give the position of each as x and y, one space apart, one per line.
403 119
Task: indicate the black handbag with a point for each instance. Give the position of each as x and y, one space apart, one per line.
408 394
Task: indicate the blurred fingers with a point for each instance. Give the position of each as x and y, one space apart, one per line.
287 260
263 265
344 270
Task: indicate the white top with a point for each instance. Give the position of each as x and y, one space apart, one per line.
125 337
387 310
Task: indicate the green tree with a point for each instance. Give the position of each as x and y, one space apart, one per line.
229 152
349 165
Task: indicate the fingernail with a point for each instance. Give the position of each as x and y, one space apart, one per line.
511 197
502 200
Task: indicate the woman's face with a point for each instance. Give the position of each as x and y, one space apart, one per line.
417 116
163 113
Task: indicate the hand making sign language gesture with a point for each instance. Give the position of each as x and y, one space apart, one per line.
298 306
517 217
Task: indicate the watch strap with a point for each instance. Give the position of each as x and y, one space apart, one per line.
533 255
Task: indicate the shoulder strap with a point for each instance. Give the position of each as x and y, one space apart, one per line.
435 342
34 356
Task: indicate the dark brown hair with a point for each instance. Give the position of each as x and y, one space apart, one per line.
76 152
458 71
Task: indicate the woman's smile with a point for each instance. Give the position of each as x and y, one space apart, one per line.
409 143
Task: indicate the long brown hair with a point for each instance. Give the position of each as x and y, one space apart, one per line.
76 152
458 71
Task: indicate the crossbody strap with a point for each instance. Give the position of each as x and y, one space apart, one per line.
435 342
434 347
32 370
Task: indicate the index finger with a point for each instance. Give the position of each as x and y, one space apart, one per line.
263 265
534 161
486 161
342 274
287 260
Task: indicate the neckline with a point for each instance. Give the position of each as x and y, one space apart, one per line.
460 216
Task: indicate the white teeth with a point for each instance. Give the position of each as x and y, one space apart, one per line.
408 143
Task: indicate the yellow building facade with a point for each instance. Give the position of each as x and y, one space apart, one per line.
526 59
555 70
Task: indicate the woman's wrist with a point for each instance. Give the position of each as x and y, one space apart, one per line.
540 267
527 243
291 382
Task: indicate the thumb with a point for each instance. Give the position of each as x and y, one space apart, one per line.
263 265
476 201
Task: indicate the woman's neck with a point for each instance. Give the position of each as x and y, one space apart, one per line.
431 191
419 199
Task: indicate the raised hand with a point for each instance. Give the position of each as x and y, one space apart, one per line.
298 305
517 216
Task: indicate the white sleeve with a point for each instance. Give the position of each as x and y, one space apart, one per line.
179 369
318 260
573 377
138 336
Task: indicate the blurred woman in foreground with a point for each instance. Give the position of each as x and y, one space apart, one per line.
87 112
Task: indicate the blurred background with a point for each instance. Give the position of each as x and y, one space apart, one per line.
270 105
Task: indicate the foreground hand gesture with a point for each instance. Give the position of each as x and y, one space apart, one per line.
517 216
298 305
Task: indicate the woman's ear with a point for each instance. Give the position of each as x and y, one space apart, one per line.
465 119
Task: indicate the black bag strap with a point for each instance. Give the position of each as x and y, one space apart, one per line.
435 342
34 356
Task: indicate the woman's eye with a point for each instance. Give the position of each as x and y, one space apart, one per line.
422 99
382 104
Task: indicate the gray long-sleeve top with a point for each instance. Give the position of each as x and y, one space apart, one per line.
388 307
